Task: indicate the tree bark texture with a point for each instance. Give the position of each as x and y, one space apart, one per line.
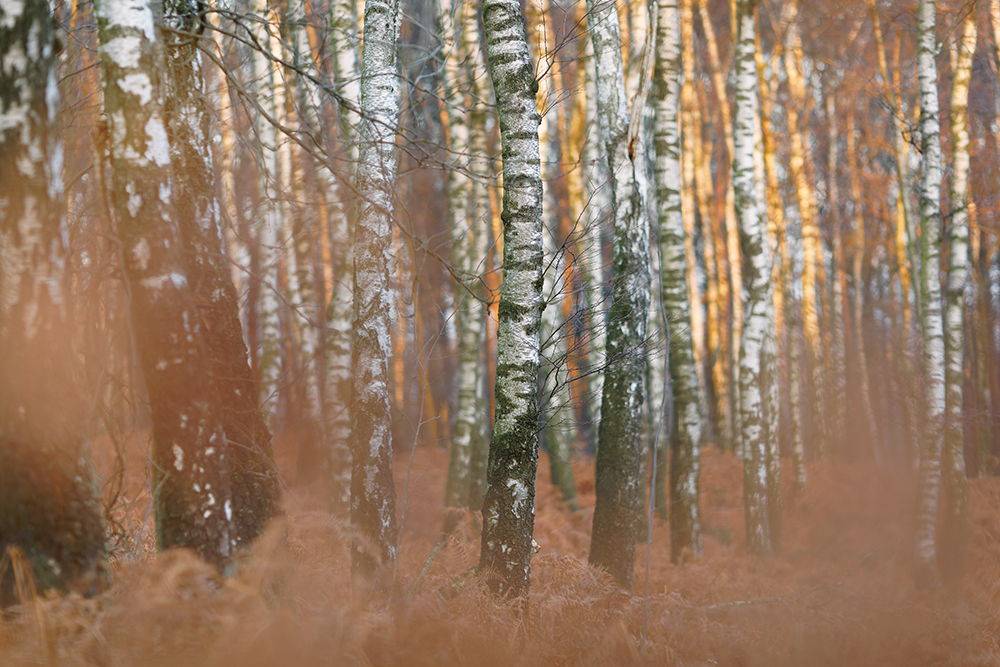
618 482
373 494
685 436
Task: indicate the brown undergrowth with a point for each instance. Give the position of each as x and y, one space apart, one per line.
840 592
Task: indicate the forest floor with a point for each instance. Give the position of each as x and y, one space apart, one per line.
840 592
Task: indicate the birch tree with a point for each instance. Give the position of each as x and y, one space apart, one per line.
509 502
254 477
338 326
619 450
955 528
925 553
373 494
190 452
49 508
757 355
685 437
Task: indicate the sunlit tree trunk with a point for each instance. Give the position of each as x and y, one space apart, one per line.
757 358
908 228
619 451
955 528
811 239
190 451
925 555
786 341
49 507
373 494
509 503
729 390
685 438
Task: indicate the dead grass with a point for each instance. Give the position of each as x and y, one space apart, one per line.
839 593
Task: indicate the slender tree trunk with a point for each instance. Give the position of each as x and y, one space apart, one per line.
869 429
836 316
194 507
618 482
344 44
956 525
373 494
728 392
757 357
925 555
49 508
811 238
685 438
509 503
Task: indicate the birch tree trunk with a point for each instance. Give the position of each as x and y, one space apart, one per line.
925 553
685 438
466 120
618 482
836 367
811 238
254 476
727 390
509 503
338 333
373 494
869 429
956 525
191 455
49 508
757 359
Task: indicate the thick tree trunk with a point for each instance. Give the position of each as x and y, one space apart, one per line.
373 494
191 456
925 554
685 438
49 508
618 482
509 503
955 529
254 477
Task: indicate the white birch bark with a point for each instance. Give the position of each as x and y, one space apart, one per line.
925 547
620 434
955 528
509 503
190 450
344 44
685 436
269 365
373 495
756 354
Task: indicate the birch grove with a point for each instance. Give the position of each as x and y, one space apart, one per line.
308 277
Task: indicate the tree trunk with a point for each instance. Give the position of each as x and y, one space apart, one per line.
925 555
49 508
338 325
956 524
685 437
619 451
757 358
509 503
194 508
373 494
